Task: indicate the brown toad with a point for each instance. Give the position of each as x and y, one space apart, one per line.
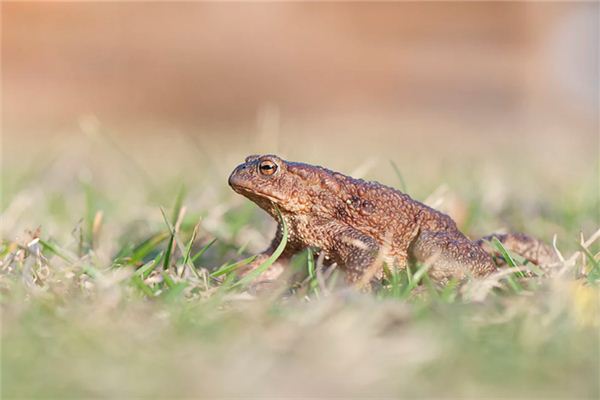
360 225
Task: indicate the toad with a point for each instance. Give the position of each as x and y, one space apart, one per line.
363 225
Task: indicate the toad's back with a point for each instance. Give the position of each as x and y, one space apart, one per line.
370 207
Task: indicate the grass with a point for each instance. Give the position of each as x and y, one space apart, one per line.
129 289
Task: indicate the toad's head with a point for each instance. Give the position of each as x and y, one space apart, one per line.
293 187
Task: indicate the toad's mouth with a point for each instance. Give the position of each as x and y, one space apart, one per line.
253 193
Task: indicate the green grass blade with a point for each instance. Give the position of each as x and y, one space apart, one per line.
178 204
227 268
506 255
513 284
174 292
147 268
90 211
246 280
594 273
202 251
450 291
414 281
431 288
147 246
168 280
409 274
91 271
310 263
312 272
188 249
418 276
167 258
141 285
186 258
396 288
57 251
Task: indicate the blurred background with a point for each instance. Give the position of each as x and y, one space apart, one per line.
495 87
199 64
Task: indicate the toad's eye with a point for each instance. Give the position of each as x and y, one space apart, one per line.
267 167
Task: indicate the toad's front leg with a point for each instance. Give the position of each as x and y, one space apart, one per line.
356 253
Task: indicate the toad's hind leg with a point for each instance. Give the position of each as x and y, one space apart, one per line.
451 255
530 248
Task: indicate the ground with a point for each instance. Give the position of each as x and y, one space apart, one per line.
117 279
